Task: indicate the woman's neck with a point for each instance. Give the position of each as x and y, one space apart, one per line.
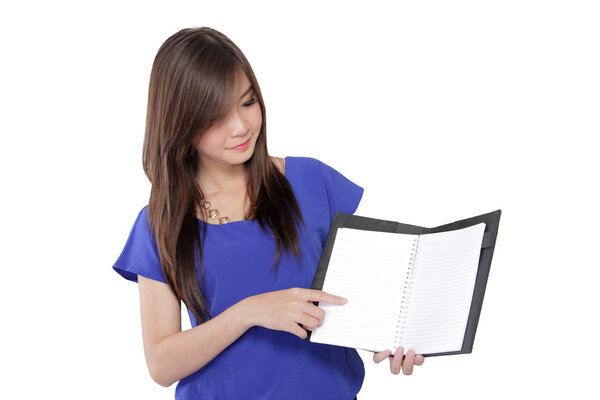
219 178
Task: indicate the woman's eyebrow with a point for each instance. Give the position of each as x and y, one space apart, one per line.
246 92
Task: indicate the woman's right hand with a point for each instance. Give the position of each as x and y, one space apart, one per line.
283 310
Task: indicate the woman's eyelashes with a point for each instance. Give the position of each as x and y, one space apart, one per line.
249 102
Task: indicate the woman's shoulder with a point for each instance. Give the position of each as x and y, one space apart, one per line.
304 164
279 163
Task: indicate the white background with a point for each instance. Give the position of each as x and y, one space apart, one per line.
441 110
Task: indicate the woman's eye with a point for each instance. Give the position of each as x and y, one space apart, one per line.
249 102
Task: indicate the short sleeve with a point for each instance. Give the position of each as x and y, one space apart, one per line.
342 194
140 254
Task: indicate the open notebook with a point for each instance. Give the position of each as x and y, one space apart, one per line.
406 286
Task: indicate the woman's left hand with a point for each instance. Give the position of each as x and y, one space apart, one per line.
398 362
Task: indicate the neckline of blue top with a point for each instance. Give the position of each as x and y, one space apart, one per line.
285 173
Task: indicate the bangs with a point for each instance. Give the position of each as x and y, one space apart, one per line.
219 82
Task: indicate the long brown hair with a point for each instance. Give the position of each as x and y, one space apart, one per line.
191 87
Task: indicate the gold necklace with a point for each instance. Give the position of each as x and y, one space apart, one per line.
213 213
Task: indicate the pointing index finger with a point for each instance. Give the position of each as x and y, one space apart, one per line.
319 295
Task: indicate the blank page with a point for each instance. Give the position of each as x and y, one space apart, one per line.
444 280
369 269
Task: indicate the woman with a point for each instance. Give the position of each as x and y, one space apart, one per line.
236 235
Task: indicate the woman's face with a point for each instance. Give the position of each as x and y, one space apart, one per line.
232 140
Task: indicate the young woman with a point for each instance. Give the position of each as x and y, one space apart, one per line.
236 235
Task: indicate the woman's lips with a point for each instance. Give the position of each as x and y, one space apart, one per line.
242 146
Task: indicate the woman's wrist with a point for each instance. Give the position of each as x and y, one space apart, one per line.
241 315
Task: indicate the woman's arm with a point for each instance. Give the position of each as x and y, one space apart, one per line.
172 354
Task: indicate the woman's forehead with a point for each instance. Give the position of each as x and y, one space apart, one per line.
242 83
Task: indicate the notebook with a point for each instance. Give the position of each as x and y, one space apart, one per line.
410 286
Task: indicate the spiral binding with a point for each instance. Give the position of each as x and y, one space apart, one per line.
406 294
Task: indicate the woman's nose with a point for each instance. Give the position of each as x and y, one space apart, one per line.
238 124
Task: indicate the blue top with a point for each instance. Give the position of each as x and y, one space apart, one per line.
264 363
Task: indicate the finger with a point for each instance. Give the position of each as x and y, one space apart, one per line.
419 359
298 331
307 321
396 361
320 296
313 311
380 356
409 362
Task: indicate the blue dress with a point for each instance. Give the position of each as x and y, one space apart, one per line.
263 363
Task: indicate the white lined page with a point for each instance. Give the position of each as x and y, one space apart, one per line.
444 281
369 269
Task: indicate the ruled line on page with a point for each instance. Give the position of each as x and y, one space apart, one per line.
445 273
369 269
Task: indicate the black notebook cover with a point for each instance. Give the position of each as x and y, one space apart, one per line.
491 220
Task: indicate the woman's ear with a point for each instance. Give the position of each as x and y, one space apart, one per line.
195 141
